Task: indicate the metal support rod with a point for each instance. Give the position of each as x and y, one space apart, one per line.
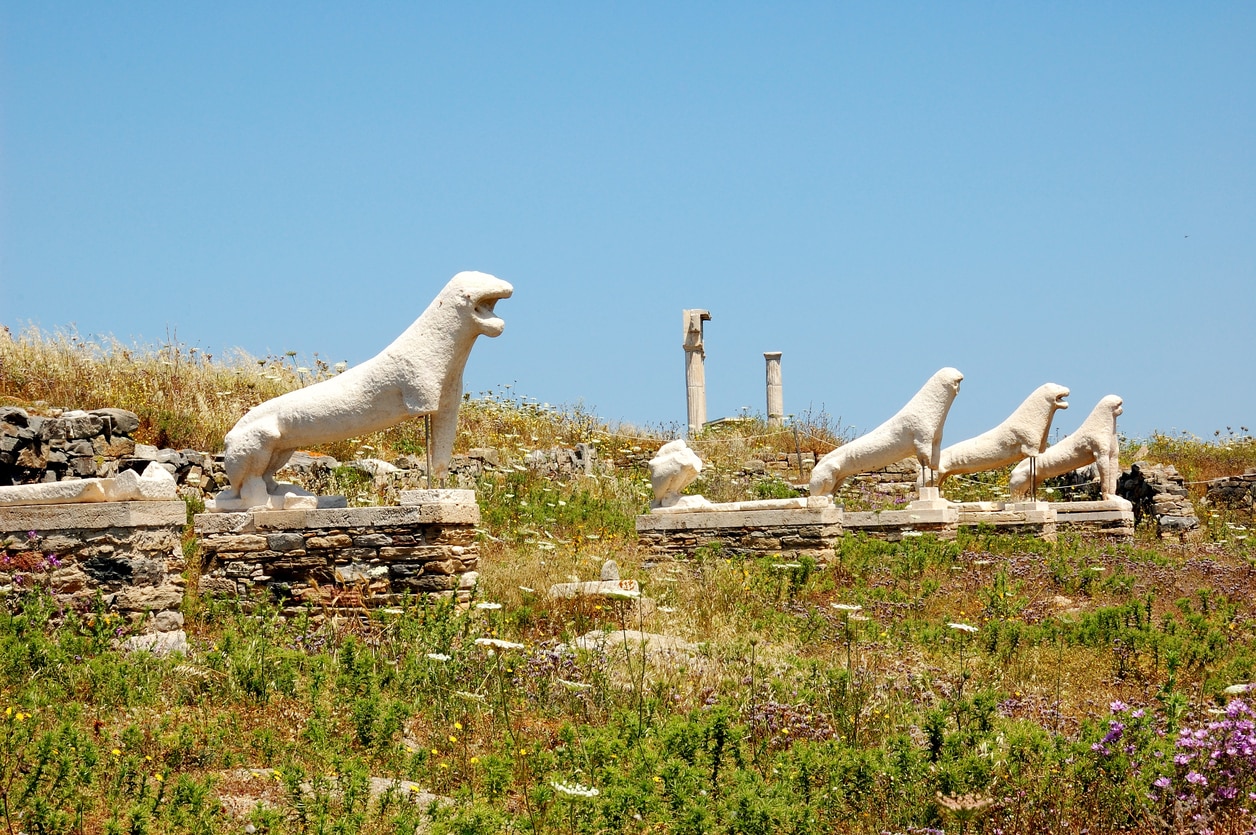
797 450
427 445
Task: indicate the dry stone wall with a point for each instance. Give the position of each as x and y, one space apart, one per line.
1158 492
126 556
344 557
1234 492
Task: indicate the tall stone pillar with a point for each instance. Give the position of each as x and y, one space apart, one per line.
695 373
776 399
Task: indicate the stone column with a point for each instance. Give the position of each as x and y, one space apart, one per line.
695 373
776 400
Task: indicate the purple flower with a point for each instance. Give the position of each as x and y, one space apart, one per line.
1139 713
1196 778
1117 706
1182 759
1161 782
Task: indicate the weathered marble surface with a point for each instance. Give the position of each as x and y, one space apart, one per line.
1022 434
156 484
420 373
672 469
1094 442
915 430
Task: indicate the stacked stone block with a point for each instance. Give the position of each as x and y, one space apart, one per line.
1158 492
788 533
97 444
342 558
126 555
1234 492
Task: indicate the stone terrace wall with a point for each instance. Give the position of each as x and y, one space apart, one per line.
345 557
127 554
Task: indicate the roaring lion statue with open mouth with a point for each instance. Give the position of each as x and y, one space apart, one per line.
420 373
1094 442
1023 434
915 430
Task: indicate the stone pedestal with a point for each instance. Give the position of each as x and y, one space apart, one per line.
1114 518
1032 518
127 552
928 514
345 558
789 527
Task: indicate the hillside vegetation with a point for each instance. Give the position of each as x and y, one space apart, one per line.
992 684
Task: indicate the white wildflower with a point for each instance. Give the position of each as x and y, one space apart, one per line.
497 643
438 656
575 789
963 627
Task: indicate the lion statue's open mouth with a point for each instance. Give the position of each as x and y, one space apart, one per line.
484 311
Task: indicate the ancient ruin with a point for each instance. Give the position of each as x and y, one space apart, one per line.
1022 434
420 373
915 430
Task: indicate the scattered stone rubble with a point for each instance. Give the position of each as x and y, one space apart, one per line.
96 444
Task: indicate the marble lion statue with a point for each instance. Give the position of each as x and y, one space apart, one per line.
1094 442
672 469
1023 434
420 373
915 430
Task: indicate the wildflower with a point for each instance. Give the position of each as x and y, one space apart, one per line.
488 606
575 789
116 752
438 656
158 777
453 738
1117 706
1235 689
458 725
497 643
963 627
1161 782
847 607
1196 778
474 760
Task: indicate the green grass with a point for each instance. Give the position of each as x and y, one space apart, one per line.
785 714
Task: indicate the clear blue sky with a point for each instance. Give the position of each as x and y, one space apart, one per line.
1029 192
